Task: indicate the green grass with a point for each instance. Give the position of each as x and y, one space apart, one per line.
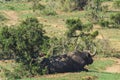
109 76
5 65
93 75
15 6
100 65
65 16
26 15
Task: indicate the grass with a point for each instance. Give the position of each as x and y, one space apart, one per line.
109 76
24 15
5 64
15 6
100 65
113 37
57 26
93 75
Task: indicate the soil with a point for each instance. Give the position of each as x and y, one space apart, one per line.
12 17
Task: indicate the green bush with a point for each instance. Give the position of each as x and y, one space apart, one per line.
26 42
81 34
117 55
73 25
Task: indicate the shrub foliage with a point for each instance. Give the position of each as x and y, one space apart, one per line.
25 42
81 34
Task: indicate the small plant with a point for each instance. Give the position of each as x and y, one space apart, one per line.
117 55
73 25
115 20
93 9
11 7
49 12
2 18
41 7
104 23
117 4
37 6
105 8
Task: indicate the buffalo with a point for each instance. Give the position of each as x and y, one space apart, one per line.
71 62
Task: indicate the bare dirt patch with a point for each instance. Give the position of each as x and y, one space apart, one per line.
12 16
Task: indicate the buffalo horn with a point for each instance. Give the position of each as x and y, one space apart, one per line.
94 53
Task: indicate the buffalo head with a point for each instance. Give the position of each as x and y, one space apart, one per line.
83 58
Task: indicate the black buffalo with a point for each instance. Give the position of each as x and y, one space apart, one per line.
71 62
